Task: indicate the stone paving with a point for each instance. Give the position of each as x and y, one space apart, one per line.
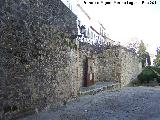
99 87
130 103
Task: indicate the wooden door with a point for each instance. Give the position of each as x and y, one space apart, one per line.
89 79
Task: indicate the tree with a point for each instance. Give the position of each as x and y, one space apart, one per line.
157 60
142 53
139 47
148 59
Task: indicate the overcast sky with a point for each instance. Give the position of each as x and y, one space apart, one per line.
125 22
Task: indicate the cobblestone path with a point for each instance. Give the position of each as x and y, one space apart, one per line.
130 103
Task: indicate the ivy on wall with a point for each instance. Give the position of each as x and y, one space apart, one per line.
70 43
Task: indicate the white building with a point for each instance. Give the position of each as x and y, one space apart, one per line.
95 31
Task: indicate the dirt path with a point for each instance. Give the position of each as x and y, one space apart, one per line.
131 103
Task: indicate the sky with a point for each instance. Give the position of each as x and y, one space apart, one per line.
125 22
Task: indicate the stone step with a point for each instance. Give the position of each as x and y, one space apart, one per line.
99 87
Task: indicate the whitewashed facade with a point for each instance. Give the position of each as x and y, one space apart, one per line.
95 32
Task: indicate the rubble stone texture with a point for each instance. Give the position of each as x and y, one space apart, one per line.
115 64
40 66
37 65
130 66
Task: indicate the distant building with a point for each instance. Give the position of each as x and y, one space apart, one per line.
95 32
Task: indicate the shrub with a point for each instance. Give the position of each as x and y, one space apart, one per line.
147 75
156 69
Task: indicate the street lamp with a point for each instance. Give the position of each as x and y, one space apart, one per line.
82 31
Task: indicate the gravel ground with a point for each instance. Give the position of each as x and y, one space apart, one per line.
130 103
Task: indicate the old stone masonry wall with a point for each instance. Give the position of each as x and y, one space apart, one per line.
114 64
37 60
41 67
130 66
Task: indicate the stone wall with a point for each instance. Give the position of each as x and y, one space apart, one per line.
41 67
106 63
37 59
114 64
118 64
130 66
86 51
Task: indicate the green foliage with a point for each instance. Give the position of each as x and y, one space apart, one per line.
157 71
147 75
142 48
148 59
70 43
142 53
155 68
157 61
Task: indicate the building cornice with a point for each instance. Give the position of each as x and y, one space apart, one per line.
94 30
84 11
